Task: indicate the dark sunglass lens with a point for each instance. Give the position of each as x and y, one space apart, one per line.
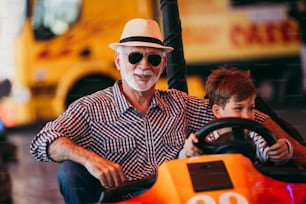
154 59
135 57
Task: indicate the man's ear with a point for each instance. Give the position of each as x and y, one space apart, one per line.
117 60
216 111
164 64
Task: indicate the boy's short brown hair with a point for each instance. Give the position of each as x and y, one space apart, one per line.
225 83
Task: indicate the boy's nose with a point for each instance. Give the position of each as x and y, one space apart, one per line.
246 115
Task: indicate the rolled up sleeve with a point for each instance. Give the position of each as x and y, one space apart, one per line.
72 124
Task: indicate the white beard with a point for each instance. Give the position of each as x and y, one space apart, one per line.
137 84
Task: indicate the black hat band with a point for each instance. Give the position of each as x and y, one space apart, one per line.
141 39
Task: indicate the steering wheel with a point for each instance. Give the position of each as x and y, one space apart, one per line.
238 141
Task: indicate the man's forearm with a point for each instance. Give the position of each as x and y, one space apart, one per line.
65 149
107 172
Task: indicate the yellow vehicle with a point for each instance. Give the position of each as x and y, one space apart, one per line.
62 53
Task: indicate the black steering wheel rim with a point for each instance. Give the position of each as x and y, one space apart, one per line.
239 144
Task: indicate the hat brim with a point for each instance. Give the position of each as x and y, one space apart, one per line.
167 49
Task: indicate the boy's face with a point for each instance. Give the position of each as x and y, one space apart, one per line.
241 109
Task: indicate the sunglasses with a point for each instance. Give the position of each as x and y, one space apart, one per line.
136 57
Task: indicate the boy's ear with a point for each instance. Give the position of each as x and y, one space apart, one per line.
216 111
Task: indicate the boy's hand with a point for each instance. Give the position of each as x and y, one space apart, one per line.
189 148
279 151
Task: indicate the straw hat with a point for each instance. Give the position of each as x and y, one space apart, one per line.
141 32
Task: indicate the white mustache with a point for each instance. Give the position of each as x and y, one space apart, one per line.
143 72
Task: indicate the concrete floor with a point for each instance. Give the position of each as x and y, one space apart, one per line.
36 182
32 182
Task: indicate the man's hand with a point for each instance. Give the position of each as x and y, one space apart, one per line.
108 173
189 148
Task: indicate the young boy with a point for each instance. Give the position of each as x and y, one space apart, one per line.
232 93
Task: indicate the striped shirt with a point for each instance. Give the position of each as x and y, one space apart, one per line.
107 124
261 146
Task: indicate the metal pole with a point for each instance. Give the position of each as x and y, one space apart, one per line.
176 65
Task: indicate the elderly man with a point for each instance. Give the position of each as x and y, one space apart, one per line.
124 132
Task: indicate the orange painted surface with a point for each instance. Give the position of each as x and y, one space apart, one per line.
174 185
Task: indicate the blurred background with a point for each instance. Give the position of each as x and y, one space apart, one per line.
55 51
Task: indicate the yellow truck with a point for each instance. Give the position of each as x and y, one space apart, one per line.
62 53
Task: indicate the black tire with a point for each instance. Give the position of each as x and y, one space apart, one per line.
86 86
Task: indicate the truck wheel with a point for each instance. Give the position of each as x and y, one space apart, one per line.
88 85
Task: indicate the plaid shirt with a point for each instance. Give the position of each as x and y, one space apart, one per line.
106 123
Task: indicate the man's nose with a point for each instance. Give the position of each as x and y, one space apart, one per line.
144 61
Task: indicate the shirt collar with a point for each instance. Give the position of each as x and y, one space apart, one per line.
124 105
